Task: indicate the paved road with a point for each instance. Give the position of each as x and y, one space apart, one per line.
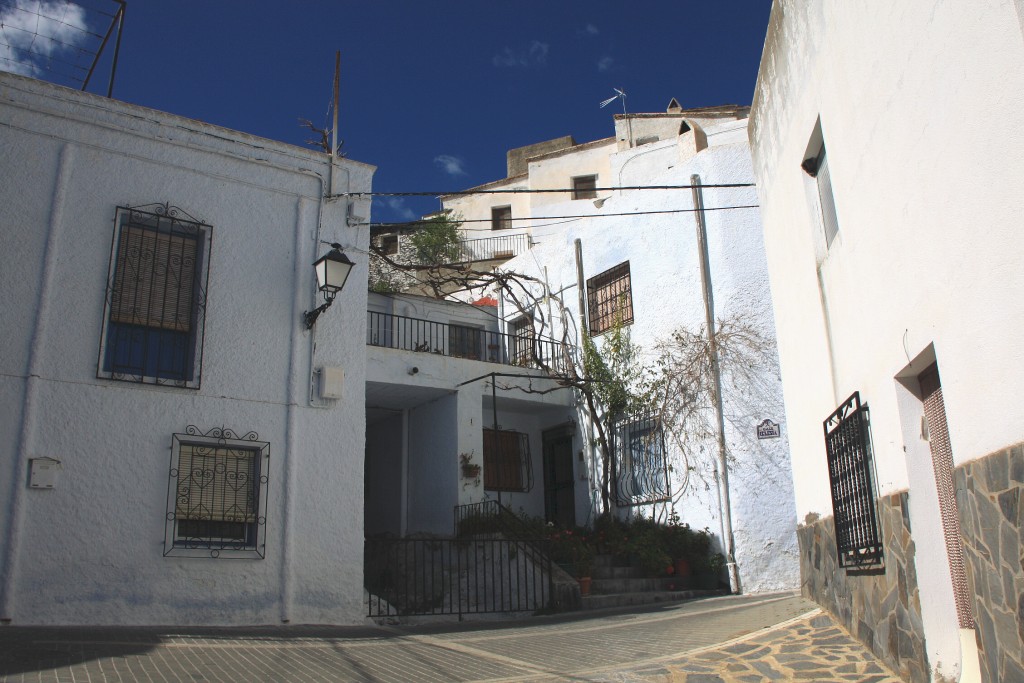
736 638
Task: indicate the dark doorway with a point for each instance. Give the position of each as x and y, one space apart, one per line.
559 480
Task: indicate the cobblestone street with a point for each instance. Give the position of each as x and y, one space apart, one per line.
743 638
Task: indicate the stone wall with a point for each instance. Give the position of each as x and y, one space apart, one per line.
881 608
988 495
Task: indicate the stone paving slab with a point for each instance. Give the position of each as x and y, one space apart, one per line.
721 640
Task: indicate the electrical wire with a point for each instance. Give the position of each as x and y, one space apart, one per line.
524 190
562 219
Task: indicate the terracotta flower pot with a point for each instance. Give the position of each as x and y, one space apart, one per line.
682 567
584 582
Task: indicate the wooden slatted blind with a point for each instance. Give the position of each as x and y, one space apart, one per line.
216 484
154 280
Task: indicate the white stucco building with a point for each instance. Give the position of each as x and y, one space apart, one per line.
640 256
175 437
888 171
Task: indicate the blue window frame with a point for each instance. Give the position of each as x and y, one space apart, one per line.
154 313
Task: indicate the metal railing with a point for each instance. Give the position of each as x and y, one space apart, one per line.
459 341
488 516
407 577
497 247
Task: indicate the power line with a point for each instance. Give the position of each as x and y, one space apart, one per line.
536 191
576 216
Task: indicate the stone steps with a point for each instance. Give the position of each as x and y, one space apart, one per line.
615 585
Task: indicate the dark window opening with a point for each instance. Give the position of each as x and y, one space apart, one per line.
501 218
389 244
465 342
584 187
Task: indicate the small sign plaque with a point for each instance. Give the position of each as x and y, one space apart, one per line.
768 430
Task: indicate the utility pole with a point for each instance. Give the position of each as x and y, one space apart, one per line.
725 508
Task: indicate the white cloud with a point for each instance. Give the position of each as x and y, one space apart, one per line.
534 54
34 30
605 63
591 30
451 165
398 208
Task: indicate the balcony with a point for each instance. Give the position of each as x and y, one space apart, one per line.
460 341
497 247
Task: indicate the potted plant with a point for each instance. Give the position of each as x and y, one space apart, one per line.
583 563
470 469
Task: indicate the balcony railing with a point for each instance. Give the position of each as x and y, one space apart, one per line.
497 247
460 341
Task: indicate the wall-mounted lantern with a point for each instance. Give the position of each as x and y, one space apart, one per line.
332 269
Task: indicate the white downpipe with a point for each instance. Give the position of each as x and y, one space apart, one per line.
970 669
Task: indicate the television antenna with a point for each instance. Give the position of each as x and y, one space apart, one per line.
619 95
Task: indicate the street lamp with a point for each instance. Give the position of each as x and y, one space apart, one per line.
332 269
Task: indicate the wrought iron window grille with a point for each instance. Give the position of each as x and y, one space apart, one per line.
848 446
217 495
154 312
639 465
610 299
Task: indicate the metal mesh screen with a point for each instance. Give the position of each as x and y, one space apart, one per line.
942 463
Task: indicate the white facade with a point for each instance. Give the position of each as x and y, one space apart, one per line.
663 256
91 549
910 101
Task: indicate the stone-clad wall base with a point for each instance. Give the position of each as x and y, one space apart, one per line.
882 608
989 498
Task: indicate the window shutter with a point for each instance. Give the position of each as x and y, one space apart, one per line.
154 280
216 484
828 202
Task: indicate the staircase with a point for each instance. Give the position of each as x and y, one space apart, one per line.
622 586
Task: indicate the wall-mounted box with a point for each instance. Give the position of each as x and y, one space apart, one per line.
44 473
332 382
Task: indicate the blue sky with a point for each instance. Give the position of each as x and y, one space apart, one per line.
433 93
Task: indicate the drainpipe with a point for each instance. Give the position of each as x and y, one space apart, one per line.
725 507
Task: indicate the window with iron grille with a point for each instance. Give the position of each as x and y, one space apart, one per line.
501 218
848 446
507 462
217 495
465 342
155 306
610 299
584 187
640 467
522 341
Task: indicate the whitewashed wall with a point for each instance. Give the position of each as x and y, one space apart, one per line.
914 101
91 550
666 290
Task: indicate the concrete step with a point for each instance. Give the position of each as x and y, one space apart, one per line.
631 599
609 572
642 585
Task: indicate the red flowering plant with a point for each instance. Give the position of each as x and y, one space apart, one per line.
573 550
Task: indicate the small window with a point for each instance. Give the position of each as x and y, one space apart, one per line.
154 312
522 341
848 449
609 299
584 187
507 462
217 495
817 167
465 342
641 471
389 244
501 218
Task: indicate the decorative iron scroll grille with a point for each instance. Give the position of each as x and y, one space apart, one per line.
155 308
640 469
217 495
507 462
610 299
848 444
